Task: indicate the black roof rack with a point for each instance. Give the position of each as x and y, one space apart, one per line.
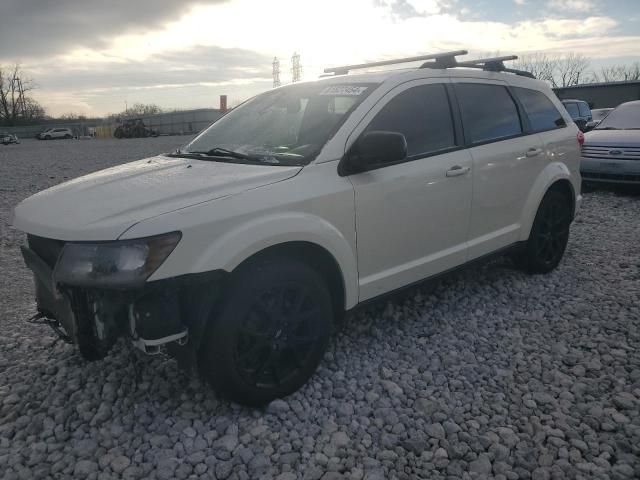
491 64
445 59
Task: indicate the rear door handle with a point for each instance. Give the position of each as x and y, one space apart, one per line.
533 152
457 170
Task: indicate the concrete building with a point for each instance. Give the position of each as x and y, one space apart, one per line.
602 95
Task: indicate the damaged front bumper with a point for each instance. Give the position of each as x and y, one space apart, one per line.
168 313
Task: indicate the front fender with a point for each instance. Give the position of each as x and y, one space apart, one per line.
230 249
552 173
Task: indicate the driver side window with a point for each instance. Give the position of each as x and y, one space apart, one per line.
423 115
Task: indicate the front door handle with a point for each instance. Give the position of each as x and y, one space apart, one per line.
457 170
532 152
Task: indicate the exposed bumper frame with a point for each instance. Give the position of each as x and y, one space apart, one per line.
195 296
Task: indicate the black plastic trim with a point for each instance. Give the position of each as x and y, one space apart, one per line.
515 247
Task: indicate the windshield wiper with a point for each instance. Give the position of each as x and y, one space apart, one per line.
608 128
220 153
223 152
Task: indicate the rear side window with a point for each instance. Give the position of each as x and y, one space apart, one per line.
542 113
572 108
488 112
585 111
422 115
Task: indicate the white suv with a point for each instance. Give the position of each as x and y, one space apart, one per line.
53 133
240 250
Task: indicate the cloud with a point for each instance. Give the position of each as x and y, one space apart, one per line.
184 54
520 2
186 78
403 9
30 28
197 65
572 5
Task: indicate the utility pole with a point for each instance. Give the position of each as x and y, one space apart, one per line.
276 72
296 68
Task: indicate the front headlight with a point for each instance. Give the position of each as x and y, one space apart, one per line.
118 264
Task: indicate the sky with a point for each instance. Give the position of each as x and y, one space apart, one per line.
94 57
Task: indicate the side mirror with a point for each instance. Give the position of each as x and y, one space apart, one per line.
377 148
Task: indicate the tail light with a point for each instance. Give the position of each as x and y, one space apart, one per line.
580 138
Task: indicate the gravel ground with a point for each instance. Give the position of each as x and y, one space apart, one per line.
485 374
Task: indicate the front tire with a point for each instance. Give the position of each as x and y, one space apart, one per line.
270 332
549 234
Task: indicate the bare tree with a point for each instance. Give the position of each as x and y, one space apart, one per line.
33 111
570 69
142 109
15 104
616 73
540 64
558 70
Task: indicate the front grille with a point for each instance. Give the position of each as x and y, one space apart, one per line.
614 177
46 248
611 152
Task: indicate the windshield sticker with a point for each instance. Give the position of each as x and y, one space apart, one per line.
343 90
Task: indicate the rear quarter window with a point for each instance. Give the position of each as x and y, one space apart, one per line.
572 108
488 112
584 109
541 112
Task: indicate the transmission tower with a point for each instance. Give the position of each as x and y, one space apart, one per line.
296 68
21 102
276 72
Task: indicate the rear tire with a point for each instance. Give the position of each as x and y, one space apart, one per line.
270 332
549 234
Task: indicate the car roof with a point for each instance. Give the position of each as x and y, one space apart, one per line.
631 103
572 100
404 74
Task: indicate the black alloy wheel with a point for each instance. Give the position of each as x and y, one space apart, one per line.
273 344
269 333
549 234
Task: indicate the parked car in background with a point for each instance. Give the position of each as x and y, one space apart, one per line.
7 138
53 133
580 112
239 250
598 115
611 151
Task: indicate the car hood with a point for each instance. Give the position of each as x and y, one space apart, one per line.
613 138
104 204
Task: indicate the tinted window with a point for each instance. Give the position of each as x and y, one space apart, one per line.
572 108
543 115
488 112
585 111
422 115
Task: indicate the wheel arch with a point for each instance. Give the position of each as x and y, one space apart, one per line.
309 237
556 176
315 256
